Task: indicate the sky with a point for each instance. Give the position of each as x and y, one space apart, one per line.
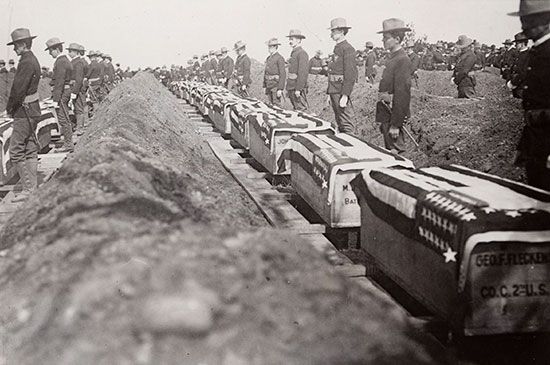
140 33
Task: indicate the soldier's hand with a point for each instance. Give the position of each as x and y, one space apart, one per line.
343 101
243 88
297 93
385 97
394 132
279 93
73 96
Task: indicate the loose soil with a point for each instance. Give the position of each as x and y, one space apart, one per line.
142 249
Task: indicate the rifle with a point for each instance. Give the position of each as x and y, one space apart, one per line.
405 129
33 130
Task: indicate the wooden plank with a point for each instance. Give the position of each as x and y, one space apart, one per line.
351 270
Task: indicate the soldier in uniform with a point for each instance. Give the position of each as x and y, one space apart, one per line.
213 68
316 64
519 69
370 61
463 74
78 96
11 66
242 69
205 69
94 79
61 90
415 61
394 92
342 75
480 57
298 64
508 59
109 73
437 58
3 69
227 66
24 108
275 73
534 145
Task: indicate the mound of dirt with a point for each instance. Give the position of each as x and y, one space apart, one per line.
137 252
478 134
6 80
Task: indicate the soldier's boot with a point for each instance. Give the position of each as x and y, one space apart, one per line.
67 140
23 177
32 173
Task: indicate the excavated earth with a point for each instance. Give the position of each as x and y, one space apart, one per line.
480 134
143 250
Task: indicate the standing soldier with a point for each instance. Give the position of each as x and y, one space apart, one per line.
298 64
94 78
242 69
275 73
61 90
205 69
109 72
342 74
463 74
316 64
394 92
508 59
78 95
480 56
370 61
3 69
227 66
534 145
11 65
519 69
196 68
23 106
213 68
415 61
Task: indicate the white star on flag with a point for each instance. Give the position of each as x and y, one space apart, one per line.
513 213
324 185
489 210
450 255
469 217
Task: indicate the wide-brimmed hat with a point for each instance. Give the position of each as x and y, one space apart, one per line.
212 53
224 50
239 45
218 53
508 41
338 23
81 48
91 53
108 57
528 7
295 33
11 62
73 47
394 25
369 44
520 38
273 42
52 42
205 55
2 62
463 41
20 34
195 56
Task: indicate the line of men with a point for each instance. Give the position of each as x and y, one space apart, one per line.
4 69
73 80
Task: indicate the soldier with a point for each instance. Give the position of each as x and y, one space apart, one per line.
415 61
508 59
480 57
196 68
370 61
213 68
3 69
534 145
227 66
205 69
298 64
519 69
12 67
103 77
437 57
109 72
24 108
394 92
342 75
242 69
61 90
78 96
463 74
118 73
275 73
94 79
316 64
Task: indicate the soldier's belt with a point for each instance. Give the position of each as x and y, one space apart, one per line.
31 98
336 78
272 77
292 76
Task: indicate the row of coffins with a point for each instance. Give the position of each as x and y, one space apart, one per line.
47 126
471 247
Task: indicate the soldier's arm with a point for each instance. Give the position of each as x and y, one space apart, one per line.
350 71
78 77
246 71
21 82
401 93
282 73
303 63
59 81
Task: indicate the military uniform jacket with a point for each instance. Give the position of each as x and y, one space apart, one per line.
275 72
396 80
298 65
80 69
196 68
227 67
205 68
342 71
62 74
536 93
110 72
370 61
519 69
242 69
465 64
94 71
315 66
25 83
509 58
213 65
415 62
